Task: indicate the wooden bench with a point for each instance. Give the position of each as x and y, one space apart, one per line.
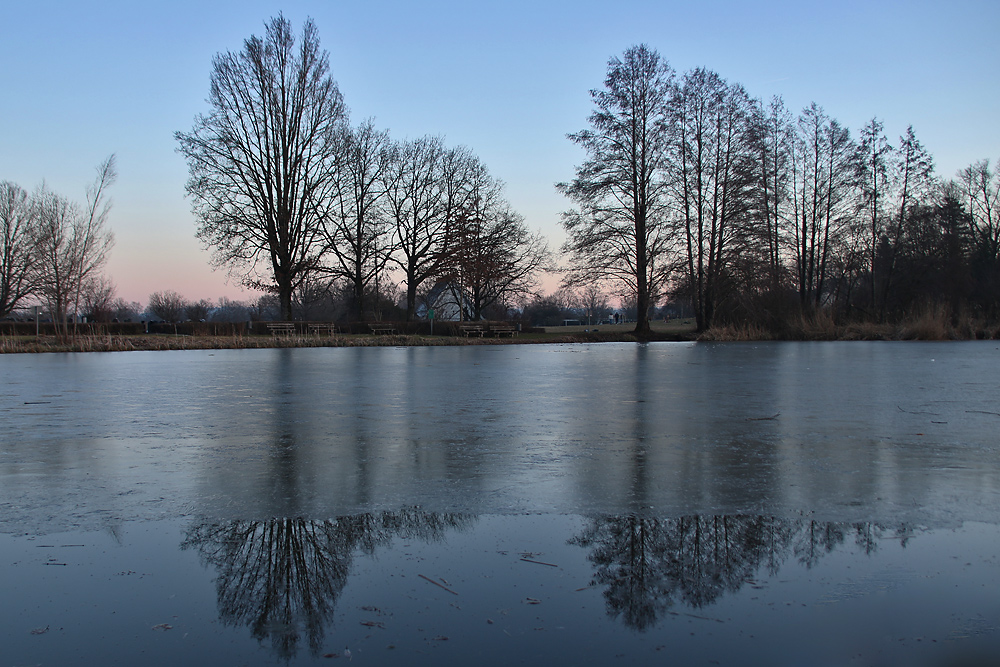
503 330
471 329
328 329
382 329
287 328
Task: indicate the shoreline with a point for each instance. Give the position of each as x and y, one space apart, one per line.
167 342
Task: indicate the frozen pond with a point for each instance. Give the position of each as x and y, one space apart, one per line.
806 503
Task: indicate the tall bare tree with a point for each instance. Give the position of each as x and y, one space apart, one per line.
775 137
823 177
356 224
260 161
981 186
621 230
493 258
419 207
19 231
713 132
873 176
912 183
73 244
198 311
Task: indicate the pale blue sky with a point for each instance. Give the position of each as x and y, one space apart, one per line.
508 79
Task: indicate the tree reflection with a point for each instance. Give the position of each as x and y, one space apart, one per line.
647 565
282 577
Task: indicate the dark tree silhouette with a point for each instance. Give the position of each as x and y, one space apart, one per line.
492 256
621 230
713 134
73 245
647 565
357 227
168 306
823 175
874 153
260 161
282 577
19 233
429 188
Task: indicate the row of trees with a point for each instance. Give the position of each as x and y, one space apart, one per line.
287 192
693 187
52 249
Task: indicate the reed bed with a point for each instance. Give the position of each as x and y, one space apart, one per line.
933 323
161 342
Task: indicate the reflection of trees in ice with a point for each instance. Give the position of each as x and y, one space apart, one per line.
647 564
282 577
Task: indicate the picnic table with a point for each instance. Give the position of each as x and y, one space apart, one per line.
503 330
328 329
287 328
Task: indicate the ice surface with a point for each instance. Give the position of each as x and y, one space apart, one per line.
785 503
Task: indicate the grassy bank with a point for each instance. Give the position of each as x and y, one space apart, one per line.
126 343
927 327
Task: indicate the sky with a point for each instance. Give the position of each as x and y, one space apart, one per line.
83 80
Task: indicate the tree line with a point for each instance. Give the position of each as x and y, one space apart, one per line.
693 190
693 195
288 193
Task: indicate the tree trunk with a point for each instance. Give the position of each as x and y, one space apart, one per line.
411 295
642 282
285 298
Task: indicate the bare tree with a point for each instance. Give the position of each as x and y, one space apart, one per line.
356 227
621 230
124 311
873 176
260 161
168 306
98 300
229 310
73 244
712 141
594 302
823 177
197 311
19 231
494 258
911 178
981 186
418 204
774 141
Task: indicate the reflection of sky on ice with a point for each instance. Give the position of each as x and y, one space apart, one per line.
873 431
731 502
